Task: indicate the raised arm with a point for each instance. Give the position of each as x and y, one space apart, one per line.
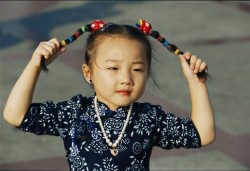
202 112
21 94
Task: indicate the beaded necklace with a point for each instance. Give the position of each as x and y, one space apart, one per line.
113 149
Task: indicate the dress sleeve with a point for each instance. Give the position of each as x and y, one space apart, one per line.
47 118
175 132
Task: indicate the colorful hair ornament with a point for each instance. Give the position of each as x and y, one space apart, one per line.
146 28
95 25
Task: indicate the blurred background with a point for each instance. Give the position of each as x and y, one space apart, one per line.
216 31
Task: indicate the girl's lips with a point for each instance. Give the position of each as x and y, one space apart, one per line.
124 92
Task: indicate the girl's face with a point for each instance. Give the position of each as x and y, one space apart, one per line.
118 72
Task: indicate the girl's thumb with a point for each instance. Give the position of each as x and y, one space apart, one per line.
62 49
183 61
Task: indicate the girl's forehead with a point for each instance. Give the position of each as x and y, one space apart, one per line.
121 46
120 43
119 39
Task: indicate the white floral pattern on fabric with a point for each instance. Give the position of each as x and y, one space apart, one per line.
74 121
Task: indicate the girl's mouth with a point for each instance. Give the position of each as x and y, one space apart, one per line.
124 92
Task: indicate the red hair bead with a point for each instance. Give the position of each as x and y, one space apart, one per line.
159 38
145 27
96 25
76 34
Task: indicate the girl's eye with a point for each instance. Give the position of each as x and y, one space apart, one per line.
113 68
137 70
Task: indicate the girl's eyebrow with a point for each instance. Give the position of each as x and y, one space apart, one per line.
115 60
139 62
111 60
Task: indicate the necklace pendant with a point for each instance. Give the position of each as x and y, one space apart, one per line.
114 151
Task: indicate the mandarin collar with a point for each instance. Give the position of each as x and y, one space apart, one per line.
105 111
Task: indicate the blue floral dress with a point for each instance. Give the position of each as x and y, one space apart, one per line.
85 146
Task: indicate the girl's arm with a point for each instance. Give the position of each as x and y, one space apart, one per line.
202 112
21 94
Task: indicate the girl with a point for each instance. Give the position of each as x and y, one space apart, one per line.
111 131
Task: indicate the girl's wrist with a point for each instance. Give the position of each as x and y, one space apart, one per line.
35 65
196 83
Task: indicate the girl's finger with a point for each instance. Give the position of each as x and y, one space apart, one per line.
187 55
56 42
197 65
51 47
193 61
45 52
53 44
203 66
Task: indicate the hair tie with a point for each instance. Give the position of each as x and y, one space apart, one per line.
95 25
146 28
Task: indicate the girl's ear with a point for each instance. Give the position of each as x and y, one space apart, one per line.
86 72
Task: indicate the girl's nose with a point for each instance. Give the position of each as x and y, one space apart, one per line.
126 78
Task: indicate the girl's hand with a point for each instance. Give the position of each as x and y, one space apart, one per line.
191 69
47 49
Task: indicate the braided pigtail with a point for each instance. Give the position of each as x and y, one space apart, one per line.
147 29
95 25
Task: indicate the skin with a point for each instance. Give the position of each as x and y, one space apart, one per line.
118 73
